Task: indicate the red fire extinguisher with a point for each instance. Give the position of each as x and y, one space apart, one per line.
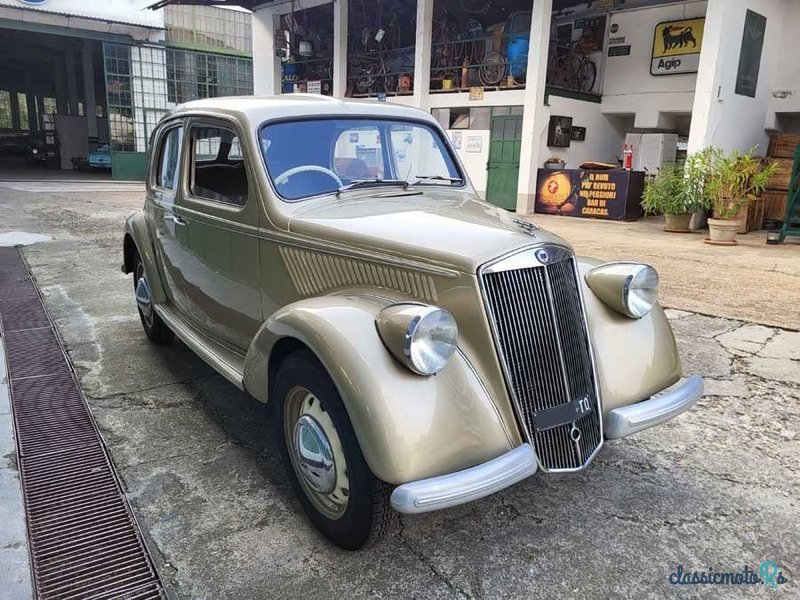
627 154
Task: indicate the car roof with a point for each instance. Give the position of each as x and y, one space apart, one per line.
258 109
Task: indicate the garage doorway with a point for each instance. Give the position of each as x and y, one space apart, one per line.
503 169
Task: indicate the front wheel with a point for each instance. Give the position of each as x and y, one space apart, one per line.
321 454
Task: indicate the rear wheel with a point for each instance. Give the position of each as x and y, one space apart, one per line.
320 451
154 327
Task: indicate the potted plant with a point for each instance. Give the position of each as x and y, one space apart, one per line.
667 194
734 179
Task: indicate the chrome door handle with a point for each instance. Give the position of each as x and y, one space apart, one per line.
177 220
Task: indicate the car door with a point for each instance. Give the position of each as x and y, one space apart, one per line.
168 232
221 216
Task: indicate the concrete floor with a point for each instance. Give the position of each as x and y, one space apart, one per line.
753 281
716 488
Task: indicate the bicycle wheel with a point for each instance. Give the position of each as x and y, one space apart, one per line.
586 75
493 69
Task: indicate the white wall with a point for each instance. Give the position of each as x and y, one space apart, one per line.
720 117
604 133
786 72
628 86
474 161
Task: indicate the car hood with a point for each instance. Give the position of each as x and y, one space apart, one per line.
445 228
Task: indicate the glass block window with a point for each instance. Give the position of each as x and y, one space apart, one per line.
209 28
143 83
5 110
22 103
193 75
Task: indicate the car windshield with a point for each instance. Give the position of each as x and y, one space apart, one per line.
317 156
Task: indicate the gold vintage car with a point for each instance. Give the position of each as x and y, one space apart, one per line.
421 348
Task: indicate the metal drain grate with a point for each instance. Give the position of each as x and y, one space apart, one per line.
84 540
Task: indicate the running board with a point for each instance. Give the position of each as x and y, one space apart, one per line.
223 360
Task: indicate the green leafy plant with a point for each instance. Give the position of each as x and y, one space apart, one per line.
735 179
680 188
667 192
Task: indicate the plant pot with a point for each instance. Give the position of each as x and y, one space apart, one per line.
677 223
723 231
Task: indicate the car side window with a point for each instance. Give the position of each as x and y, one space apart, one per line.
169 159
217 169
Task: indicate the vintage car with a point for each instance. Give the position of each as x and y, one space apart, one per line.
421 348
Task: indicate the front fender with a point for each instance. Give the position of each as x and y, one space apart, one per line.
137 237
635 358
409 427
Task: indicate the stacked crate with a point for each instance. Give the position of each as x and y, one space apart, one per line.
781 152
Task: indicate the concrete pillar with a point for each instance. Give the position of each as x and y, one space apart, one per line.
339 48
422 54
89 102
72 81
535 114
720 116
266 64
59 76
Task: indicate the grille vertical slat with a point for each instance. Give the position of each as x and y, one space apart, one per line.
538 321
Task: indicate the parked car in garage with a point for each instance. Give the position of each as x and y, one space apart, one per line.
420 347
100 158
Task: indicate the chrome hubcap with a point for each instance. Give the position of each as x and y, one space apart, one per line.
143 299
314 455
316 452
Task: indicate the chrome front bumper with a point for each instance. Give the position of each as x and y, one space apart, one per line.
655 410
467 485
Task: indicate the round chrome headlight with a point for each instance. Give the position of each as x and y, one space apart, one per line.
629 288
640 291
423 338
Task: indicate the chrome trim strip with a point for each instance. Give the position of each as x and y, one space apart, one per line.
467 485
529 253
657 409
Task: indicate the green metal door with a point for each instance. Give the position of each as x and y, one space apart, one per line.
504 147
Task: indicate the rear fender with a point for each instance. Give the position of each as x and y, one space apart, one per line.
137 238
409 427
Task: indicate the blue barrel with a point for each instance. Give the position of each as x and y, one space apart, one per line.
517 54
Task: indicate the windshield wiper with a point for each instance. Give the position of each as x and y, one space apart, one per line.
371 183
423 178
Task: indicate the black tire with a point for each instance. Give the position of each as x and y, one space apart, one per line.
155 329
368 515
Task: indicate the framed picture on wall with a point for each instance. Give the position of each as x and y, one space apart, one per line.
578 133
559 134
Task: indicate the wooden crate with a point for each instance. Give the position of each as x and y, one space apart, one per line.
751 217
782 145
780 180
775 204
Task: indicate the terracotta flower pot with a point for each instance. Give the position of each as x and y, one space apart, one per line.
723 231
678 223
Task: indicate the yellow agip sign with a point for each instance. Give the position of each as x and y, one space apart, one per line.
676 47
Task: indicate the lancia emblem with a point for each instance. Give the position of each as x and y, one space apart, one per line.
543 256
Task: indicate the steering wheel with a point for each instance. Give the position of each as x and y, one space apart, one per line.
284 177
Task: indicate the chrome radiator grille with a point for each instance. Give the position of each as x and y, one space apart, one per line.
535 308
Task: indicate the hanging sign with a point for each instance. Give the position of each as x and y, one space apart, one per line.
676 47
